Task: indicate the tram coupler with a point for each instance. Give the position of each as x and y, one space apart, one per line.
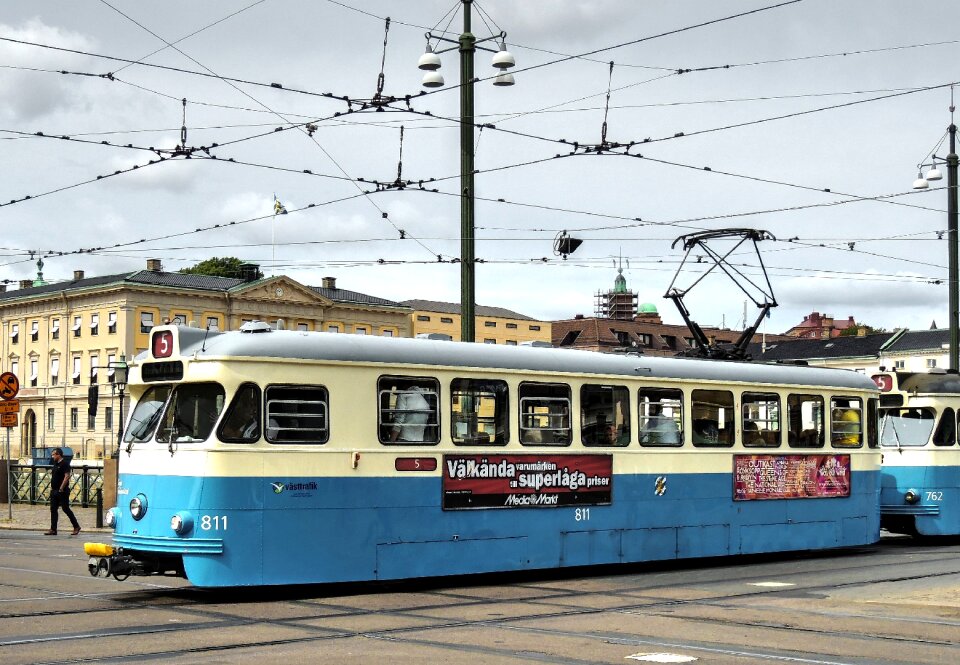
105 561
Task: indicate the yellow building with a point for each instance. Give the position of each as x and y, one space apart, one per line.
494 325
60 339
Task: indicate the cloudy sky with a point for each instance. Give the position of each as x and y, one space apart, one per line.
753 110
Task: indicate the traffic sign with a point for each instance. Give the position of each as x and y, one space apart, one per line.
8 420
9 385
10 406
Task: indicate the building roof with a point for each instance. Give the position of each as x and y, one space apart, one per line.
920 340
454 308
834 347
345 296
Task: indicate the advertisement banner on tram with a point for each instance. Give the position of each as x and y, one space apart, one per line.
526 481
757 477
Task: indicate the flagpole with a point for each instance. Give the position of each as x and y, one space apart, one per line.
273 246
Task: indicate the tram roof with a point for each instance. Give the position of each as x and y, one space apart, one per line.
342 347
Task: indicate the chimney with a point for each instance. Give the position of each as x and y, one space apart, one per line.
329 282
77 275
3 288
578 316
26 283
249 272
154 265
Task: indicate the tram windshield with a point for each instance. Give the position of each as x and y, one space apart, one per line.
146 414
191 413
906 427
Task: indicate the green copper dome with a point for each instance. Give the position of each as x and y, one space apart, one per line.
647 308
620 283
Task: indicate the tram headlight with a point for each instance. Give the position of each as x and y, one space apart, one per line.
138 506
110 519
911 496
181 523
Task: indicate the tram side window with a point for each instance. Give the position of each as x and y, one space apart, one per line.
901 428
146 414
409 410
873 430
242 422
604 415
946 434
713 417
191 413
479 411
661 416
805 421
761 420
846 422
297 414
545 414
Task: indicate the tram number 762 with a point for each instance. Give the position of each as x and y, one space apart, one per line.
934 496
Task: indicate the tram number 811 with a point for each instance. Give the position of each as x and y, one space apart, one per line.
214 522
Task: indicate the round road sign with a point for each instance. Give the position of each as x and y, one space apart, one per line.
9 385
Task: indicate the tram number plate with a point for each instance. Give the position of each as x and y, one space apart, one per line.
934 496
213 522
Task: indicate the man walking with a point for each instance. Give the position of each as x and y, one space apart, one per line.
60 493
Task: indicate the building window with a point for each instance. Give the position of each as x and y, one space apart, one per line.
333 329
112 322
213 323
108 418
50 419
422 317
645 339
55 329
303 327
179 319
535 328
931 362
511 342
489 340
446 319
15 367
94 368
512 326
899 364
74 418
34 372
14 333
95 324
409 410
54 371
146 322
76 371
490 324
360 331
91 420
570 338
34 331
111 359
77 324
387 333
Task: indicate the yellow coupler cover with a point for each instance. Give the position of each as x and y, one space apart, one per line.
97 549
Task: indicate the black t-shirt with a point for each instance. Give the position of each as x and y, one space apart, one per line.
61 470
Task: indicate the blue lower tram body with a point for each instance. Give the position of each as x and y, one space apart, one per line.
319 530
936 511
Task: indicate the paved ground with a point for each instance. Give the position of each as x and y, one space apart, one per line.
37 518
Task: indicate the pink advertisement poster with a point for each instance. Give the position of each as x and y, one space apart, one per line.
757 477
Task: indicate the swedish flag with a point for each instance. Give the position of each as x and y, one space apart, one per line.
278 208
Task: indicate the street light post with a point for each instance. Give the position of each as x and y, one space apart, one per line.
120 374
953 279
430 62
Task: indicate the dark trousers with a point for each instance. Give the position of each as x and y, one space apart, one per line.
58 500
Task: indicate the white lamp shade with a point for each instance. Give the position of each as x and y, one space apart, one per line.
432 79
934 174
503 59
504 78
921 183
429 61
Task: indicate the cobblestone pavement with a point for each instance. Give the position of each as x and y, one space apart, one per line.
37 518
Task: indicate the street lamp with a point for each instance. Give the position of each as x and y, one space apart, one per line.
953 282
430 63
120 371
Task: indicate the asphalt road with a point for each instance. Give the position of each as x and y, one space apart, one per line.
896 603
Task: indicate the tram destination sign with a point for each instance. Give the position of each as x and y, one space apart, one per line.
526 481
790 476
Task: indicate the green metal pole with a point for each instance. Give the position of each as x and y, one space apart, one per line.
952 239
467 290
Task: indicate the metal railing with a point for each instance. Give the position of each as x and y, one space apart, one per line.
30 483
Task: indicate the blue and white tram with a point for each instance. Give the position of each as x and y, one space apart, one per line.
262 457
920 484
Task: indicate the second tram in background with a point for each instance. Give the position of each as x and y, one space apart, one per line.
281 457
920 484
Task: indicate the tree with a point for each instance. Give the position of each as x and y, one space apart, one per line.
852 330
228 266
